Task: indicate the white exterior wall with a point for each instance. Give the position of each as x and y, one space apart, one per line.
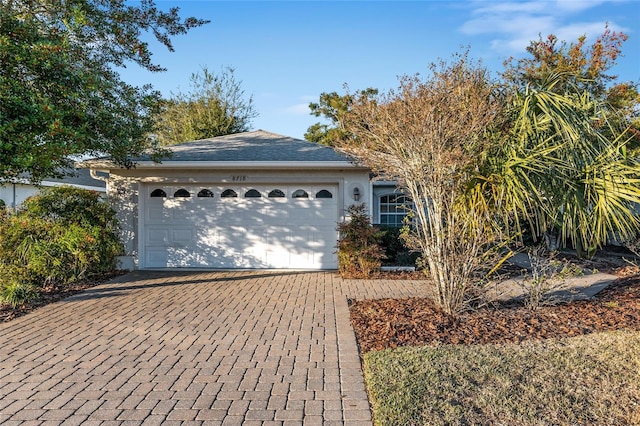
14 194
124 187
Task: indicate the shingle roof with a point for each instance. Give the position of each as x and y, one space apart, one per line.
72 176
80 177
258 145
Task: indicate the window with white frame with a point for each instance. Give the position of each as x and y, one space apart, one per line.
393 209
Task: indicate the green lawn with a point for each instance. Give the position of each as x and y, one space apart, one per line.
587 380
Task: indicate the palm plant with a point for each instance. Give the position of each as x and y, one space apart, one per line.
561 170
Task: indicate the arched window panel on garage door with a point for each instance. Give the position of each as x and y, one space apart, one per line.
252 193
276 193
181 193
229 193
323 193
300 193
205 193
158 193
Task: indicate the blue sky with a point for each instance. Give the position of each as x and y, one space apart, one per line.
286 53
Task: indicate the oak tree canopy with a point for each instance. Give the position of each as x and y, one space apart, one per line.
60 91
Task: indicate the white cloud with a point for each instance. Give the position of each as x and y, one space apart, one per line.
298 109
591 29
576 5
499 8
516 23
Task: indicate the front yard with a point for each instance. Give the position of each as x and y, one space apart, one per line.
576 363
588 380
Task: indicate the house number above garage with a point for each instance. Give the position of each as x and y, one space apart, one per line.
238 178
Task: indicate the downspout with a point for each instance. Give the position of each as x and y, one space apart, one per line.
94 174
13 204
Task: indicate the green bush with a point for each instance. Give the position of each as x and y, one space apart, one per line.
359 250
60 236
69 205
395 251
16 293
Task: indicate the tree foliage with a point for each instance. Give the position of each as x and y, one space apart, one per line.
214 106
578 129
60 92
480 159
563 167
584 68
333 107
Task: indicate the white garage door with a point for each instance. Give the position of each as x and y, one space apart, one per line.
277 226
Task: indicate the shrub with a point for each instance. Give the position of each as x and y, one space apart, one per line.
66 205
58 237
547 275
395 251
16 293
359 250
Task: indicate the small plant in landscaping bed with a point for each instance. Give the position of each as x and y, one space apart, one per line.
15 293
359 250
547 274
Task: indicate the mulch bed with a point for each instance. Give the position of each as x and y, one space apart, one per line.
52 294
389 323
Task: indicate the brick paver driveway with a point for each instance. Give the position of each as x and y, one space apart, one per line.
191 348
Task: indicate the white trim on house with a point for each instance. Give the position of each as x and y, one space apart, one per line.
90 188
168 164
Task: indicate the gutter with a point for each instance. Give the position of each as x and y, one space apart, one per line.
103 164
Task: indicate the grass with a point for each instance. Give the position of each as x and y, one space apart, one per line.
586 380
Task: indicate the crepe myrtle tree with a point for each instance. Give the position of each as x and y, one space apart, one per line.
432 134
60 92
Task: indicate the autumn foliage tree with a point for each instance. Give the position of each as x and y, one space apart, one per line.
582 67
431 135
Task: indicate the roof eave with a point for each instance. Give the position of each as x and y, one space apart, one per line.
108 165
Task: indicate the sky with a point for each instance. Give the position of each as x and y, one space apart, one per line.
286 53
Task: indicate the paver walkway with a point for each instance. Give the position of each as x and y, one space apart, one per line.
214 348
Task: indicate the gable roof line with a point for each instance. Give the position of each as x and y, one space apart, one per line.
106 165
248 148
